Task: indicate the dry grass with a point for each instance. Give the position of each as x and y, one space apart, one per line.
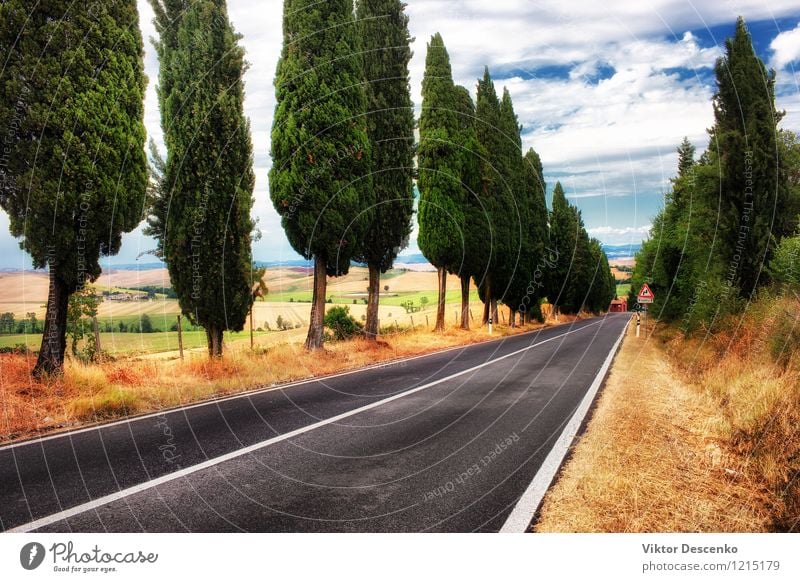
91 393
706 439
752 374
653 459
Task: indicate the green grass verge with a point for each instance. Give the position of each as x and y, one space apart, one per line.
133 343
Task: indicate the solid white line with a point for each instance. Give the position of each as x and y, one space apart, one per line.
248 394
522 514
56 517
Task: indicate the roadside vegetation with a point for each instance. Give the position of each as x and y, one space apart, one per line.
697 434
94 392
708 440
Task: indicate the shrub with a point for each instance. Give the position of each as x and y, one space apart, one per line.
785 266
342 325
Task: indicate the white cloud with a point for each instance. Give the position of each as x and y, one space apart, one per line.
785 48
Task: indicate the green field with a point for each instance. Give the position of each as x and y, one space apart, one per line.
133 343
391 298
623 290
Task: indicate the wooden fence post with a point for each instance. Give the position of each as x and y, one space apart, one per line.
180 337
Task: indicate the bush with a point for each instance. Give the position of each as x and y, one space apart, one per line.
785 266
342 325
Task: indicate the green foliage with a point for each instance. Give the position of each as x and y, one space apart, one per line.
711 243
71 112
145 324
81 310
785 265
320 180
383 28
341 323
207 182
73 172
8 324
441 215
753 183
473 170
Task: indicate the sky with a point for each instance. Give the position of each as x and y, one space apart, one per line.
605 91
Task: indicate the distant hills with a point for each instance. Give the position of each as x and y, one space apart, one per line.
413 262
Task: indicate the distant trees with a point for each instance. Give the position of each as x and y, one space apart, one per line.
74 172
441 203
383 28
320 181
208 176
714 243
483 213
579 278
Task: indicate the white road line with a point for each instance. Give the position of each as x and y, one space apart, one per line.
247 394
56 517
523 512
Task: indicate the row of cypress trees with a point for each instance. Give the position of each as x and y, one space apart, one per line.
710 247
343 141
483 214
343 150
74 173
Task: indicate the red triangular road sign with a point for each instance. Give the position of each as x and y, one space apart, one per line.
645 292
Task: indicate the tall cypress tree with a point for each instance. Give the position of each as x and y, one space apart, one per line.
754 186
441 214
320 180
473 172
383 26
538 231
564 233
73 172
487 111
209 168
513 272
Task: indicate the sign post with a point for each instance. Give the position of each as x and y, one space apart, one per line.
644 298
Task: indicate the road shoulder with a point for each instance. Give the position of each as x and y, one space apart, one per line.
650 459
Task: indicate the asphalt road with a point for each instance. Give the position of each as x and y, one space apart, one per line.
447 442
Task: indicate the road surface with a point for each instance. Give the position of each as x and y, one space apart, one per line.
442 443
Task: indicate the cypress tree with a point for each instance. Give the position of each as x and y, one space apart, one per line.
487 111
564 231
513 267
538 231
206 235
383 26
473 172
73 171
753 189
441 214
320 178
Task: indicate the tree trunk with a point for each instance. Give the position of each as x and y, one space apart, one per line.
512 317
442 297
316 328
214 338
495 317
487 301
54 339
373 300
465 302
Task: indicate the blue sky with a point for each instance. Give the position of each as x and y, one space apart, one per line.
604 91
